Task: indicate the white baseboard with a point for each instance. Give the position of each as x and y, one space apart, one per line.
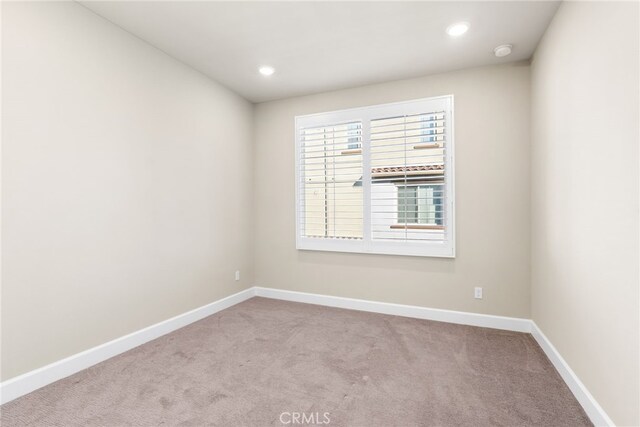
449 316
594 411
33 380
26 383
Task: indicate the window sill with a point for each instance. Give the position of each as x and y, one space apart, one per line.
423 248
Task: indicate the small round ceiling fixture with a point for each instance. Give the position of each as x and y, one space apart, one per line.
503 50
266 70
458 29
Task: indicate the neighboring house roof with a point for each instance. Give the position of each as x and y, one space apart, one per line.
379 174
407 170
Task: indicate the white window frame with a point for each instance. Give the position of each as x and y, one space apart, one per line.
446 248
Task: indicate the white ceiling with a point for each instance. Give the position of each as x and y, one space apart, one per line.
320 46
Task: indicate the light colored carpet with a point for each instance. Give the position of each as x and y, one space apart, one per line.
247 365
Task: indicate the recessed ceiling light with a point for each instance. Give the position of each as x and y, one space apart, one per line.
266 70
457 29
502 50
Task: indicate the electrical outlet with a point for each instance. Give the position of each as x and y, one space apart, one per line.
477 293
237 275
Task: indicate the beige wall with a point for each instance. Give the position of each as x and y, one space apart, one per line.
585 198
492 193
126 185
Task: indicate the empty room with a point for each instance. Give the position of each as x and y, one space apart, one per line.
320 213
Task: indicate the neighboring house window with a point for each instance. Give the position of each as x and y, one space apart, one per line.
427 128
377 179
354 133
420 205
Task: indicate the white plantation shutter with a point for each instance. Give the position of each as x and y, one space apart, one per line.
407 177
331 158
377 179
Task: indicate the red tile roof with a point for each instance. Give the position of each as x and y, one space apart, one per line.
408 170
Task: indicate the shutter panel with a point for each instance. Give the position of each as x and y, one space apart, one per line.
331 181
408 200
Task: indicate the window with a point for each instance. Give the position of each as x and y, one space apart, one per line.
420 205
377 179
